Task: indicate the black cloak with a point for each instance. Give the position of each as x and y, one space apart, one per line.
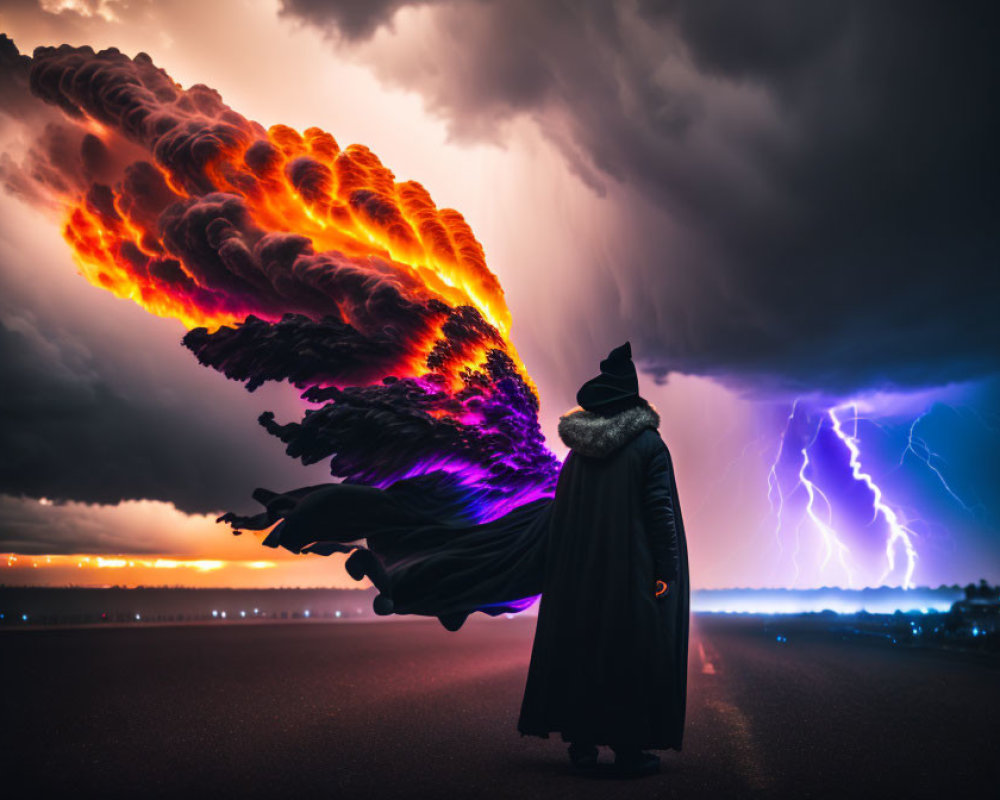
417 541
609 661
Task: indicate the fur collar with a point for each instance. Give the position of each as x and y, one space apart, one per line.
590 434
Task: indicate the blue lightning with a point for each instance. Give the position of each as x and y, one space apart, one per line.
926 455
898 531
830 538
776 499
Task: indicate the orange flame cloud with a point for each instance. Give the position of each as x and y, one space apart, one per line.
271 185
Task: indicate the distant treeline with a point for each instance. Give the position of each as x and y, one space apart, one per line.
982 591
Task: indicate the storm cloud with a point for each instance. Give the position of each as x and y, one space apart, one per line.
807 191
68 432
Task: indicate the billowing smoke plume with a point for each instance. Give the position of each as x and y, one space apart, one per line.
290 259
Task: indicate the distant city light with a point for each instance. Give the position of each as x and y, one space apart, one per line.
307 612
223 615
215 613
243 613
138 617
336 613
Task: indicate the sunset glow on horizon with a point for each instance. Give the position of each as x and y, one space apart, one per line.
129 571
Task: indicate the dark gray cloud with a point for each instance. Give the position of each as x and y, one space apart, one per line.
33 527
810 188
67 431
354 19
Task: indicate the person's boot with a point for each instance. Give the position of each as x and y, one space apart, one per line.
632 763
583 756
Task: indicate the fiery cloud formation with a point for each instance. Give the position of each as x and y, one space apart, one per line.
292 259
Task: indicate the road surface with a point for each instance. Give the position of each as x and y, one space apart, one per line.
403 708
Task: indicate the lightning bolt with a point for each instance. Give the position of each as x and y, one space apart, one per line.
777 500
898 531
773 484
830 538
774 487
925 455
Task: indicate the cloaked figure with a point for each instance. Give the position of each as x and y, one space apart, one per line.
609 661
607 553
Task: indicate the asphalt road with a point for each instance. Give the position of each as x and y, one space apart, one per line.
404 708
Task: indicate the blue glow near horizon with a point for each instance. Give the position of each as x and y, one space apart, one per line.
886 600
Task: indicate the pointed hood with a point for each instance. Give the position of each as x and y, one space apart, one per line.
616 388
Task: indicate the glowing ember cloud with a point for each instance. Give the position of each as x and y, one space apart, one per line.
291 258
